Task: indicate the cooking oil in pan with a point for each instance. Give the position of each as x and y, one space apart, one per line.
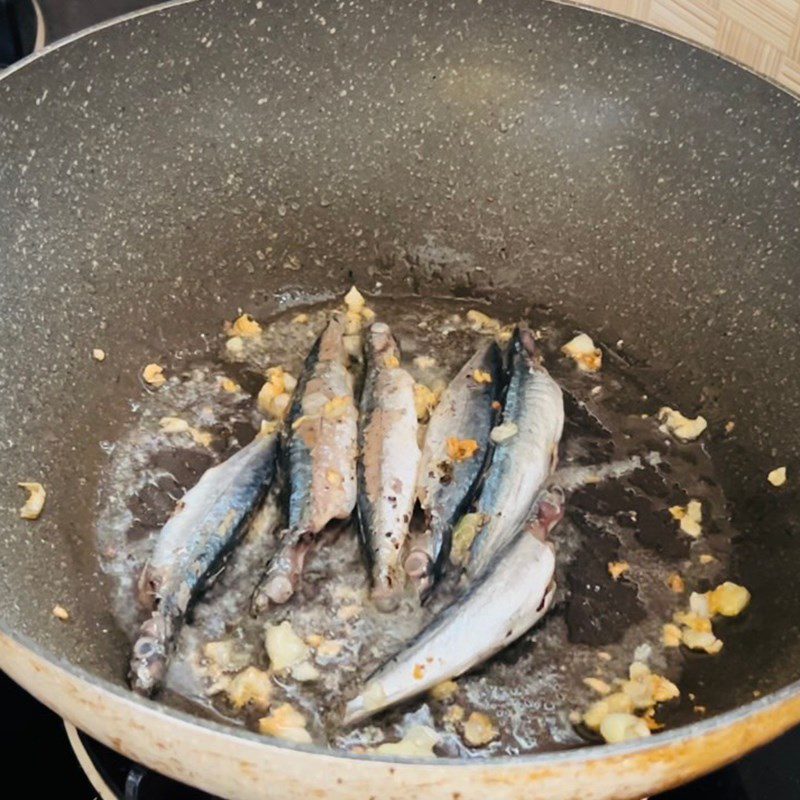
621 474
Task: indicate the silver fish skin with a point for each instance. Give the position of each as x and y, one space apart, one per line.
446 487
511 596
206 525
521 464
322 449
387 468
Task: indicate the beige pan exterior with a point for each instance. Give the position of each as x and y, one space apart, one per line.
242 766
763 35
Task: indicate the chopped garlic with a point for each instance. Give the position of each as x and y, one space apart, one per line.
454 714
59 612
461 449
418 742
280 405
618 702
671 635
300 319
645 688
284 647
701 640
777 477
705 558
251 686
463 535
424 362
616 569
681 427
368 315
285 722
346 613
337 407
479 729
98 354
173 425
226 656
729 426
675 583
228 385
304 672
699 604
693 621
235 346
621 727
328 648
354 300
689 517
352 324
728 599
504 432
154 375
481 376
446 690
583 352
35 502
482 323
425 401
597 685
244 326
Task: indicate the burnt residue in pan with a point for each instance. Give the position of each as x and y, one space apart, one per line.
531 688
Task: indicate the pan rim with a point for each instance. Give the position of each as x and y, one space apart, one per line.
578 755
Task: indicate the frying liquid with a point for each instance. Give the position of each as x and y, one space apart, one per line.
620 472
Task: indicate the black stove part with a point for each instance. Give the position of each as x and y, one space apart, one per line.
63 17
17 30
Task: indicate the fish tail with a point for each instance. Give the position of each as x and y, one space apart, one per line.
283 572
148 666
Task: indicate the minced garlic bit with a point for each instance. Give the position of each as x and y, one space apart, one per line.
275 395
482 323
235 346
244 326
446 690
701 640
251 686
35 502
689 517
228 385
645 688
418 672
671 635
337 407
285 722
424 362
154 375
325 648
98 354
226 655
479 729
425 401
616 703
616 569
505 333
305 672
504 432
705 558
728 599
481 376
675 583
284 647
622 727
391 362
300 319
463 535
683 428
729 426
777 477
453 715
461 449
173 425
597 685
354 300
59 612
583 352
418 742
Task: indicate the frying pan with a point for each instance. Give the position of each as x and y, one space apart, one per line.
643 188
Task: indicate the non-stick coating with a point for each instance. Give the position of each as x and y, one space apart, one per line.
157 175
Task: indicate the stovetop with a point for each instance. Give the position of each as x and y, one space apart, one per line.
31 734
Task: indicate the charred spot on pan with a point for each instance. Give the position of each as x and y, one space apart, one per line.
152 506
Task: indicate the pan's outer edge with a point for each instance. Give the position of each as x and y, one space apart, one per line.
237 764
242 766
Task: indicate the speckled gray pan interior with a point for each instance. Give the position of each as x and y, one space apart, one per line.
159 174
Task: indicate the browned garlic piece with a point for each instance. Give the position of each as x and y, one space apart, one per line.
35 502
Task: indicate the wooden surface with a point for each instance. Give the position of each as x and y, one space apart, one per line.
763 35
